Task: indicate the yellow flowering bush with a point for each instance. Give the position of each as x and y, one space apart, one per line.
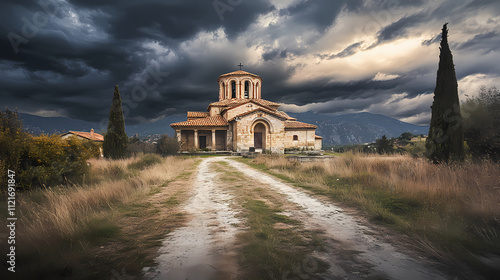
42 160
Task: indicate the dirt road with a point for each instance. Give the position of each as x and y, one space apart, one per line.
204 247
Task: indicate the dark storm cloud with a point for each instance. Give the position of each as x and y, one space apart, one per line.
400 28
431 41
349 51
274 54
57 58
320 13
486 41
177 19
70 64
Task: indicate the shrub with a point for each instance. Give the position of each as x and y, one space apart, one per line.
50 160
43 160
136 146
167 146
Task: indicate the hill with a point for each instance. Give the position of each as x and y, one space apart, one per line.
357 128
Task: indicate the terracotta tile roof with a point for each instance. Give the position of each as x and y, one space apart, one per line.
296 124
317 137
87 135
238 101
216 121
198 114
267 111
286 116
266 103
239 73
229 102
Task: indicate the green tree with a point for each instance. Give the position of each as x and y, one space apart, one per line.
12 139
482 123
446 140
167 145
115 140
384 145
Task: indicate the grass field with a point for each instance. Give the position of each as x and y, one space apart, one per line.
451 211
109 222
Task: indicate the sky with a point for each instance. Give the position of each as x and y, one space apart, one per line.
64 57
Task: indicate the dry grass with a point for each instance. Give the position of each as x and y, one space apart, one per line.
452 209
53 214
470 188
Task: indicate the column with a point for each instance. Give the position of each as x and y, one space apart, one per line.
196 140
238 94
213 140
220 91
178 134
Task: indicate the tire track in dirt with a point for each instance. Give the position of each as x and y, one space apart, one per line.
202 249
380 259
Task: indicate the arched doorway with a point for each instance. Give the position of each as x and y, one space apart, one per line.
259 136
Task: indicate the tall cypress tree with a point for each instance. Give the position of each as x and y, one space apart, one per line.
445 142
115 140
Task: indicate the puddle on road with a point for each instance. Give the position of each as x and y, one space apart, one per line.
383 258
200 250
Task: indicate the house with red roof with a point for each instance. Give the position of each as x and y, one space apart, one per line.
84 135
241 120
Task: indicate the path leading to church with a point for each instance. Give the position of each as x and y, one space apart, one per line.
205 246
202 249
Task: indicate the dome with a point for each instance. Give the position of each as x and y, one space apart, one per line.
239 73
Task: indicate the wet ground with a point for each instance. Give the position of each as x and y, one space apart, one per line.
205 247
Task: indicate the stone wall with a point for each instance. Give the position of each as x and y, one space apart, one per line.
274 135
306 138
238 110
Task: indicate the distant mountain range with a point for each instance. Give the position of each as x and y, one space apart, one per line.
357 128
336 129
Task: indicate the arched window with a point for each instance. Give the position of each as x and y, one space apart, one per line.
233 89
247 88
295 138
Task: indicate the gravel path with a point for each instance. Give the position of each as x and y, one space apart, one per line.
201 248
205 245
383 260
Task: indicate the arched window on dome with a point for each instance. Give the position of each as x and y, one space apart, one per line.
247 89
233 89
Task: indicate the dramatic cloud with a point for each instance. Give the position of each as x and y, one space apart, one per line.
63 57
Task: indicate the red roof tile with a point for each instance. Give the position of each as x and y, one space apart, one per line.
87 135
197 114
239 73
286 116
216 121
296 124
238 101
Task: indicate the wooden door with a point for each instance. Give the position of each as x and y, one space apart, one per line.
203 142
257 140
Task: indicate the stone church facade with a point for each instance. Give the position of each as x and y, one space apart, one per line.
242 120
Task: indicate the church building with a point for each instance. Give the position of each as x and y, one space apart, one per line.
241 120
